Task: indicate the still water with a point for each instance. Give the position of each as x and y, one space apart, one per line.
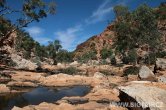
40 94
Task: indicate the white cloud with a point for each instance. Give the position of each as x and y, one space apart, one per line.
69 36
37 34
102 12
35 31
42 40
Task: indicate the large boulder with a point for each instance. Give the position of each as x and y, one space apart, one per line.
161 63
145 72
145 95
21 63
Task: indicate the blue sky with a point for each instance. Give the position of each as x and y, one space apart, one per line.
77 20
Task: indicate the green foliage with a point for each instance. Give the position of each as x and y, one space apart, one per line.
87 56
25 43
30 11
120 10
106 53
131 57
135 29
64 56
52 50
104 62
151 58
28 45
5 26
161 11
70 70
132 70
40 51
161 54
125 59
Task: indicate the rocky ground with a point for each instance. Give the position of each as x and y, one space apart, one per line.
109 86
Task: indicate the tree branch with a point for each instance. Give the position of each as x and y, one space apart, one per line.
8 12
3 9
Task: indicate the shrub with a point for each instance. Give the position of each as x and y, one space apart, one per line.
132 70
70 70
161 54
113 61
130 58
106 72
106 53
87 56
151 58
64 56
125 59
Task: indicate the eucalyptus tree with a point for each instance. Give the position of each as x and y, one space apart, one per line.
30 11
52 50
147 31
135 29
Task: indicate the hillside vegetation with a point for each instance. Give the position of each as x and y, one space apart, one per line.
134 37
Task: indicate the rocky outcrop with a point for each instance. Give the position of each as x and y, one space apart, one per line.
96 43
24 76
22 63
145 73
103 95
161 63
147 95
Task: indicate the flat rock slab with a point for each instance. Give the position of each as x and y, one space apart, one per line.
147 94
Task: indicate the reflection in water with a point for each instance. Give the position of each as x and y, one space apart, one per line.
40 94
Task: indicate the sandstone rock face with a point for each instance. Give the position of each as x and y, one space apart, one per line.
161 63
27 76
97 42
145 72
147 94
4 88
103 95
64 80
23 63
